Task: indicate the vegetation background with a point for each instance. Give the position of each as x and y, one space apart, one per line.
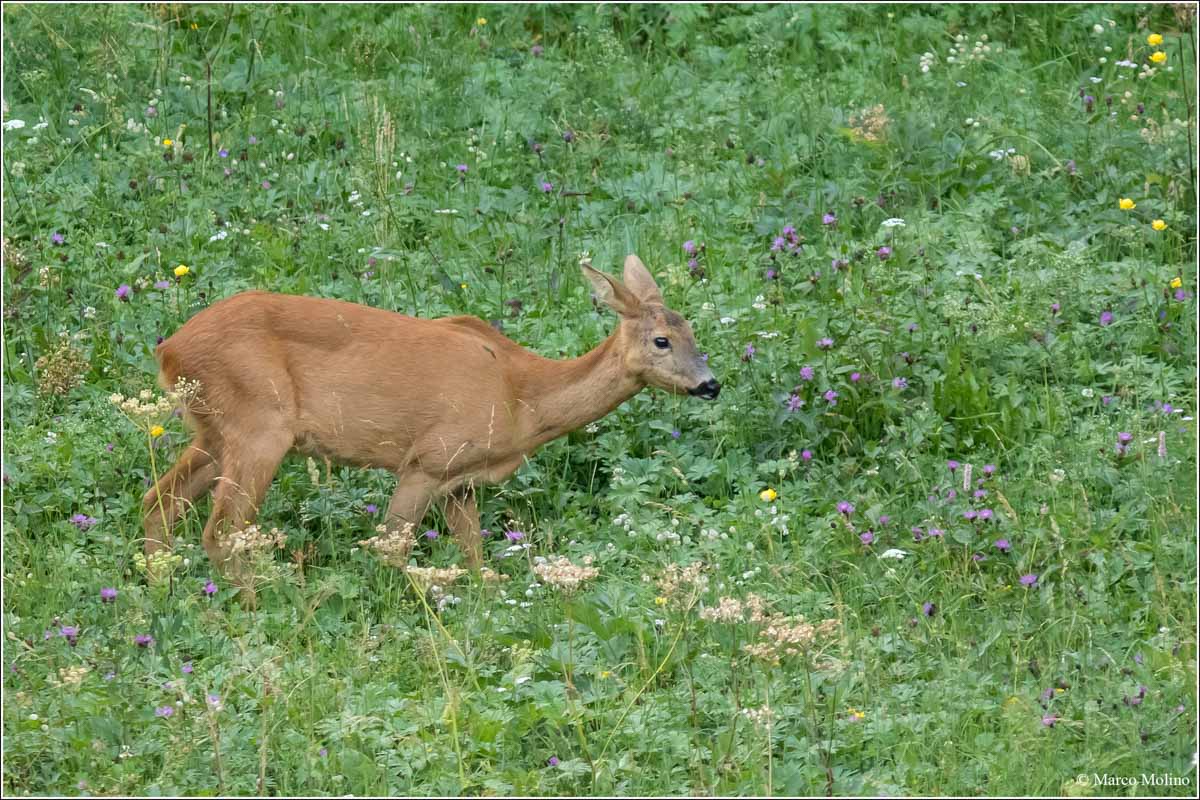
942 259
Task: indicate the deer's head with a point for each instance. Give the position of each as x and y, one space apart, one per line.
656 343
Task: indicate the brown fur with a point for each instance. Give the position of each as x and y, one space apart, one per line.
445 404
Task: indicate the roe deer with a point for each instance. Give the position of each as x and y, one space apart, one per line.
444 404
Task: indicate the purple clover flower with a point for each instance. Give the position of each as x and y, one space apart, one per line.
143 640
794 403
899 383
831 397
210 588
884 253
689 247
371 508
108 594
123 292
806 455
57 238
855 377
431 534
83 522
1106 318
547 187
552 761
829 219
807 373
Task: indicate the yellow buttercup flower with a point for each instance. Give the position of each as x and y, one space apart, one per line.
1176 283
856 715
481 21
168 143
1154 40
1126 204
1158 56
768 495
157 431
181 270
1158 225
660 601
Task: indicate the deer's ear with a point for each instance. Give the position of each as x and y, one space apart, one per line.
640 281
613 293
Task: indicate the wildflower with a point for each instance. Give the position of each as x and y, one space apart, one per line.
547 187
825 343
689 247
481 21
1049 719
675 434
57 238
1124 437
83 521
210 588
568 136
899 383
431 534
952 464
123 292
164 711
855 377
514 536
866 537
181 270
794 403
806 455
844 507
253 139
831 397
1029 580
186 668
552 761
748 353
1158 225
1106 318
806 373
928 608
989 469
768 495
462 169
970 514
214 701
371 508
143 640
1158 57
986 514
936 533
70 633
829 219
266 184
536 51
1003 545
1154 39
854 715
168 143
108 594
1126 204
563 575
157 431
884 253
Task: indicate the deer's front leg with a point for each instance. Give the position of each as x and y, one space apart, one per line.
462 515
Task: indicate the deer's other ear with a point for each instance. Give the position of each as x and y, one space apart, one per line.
613 293
640 281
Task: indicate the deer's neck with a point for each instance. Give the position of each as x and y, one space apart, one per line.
561 396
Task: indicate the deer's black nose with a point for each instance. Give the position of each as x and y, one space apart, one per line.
708 390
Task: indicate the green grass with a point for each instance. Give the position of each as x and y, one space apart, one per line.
717 125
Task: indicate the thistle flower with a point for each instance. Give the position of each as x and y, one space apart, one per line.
108 595
1029 580
884 253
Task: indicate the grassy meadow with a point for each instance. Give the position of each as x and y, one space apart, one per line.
936 536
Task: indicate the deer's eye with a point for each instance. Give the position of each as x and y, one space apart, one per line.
661 343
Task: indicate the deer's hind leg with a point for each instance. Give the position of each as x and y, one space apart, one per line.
249 462
181 486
